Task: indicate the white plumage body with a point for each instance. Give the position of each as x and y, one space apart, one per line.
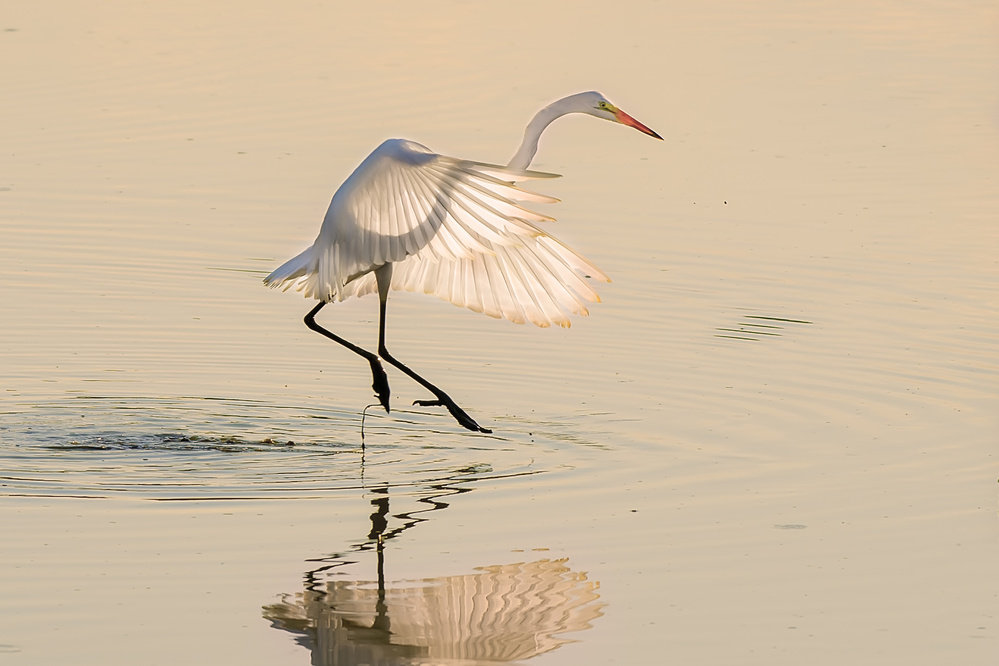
453 228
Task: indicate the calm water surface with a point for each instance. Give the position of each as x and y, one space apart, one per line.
774 442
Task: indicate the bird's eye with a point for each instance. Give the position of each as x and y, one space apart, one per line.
603 105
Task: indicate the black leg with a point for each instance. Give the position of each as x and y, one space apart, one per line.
379 380
443 399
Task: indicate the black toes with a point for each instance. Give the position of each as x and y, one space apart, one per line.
380 385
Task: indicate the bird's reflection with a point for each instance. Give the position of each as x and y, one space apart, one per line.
498 613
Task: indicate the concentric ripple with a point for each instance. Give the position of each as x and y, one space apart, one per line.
200 448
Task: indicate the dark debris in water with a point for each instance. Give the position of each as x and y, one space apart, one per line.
759 327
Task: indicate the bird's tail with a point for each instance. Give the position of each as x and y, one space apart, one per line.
296 272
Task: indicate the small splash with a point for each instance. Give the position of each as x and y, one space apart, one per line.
166 442
190 448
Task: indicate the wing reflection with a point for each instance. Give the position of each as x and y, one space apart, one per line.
498 613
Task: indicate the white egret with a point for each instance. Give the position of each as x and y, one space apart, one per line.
410 219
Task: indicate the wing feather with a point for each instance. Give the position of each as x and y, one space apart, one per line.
453 228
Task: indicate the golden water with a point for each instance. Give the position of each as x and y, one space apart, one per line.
774 442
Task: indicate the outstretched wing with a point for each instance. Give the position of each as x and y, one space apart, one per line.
450 227
538 280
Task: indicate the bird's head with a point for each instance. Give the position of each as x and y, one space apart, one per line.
595 104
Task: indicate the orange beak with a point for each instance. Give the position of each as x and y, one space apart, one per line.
625 119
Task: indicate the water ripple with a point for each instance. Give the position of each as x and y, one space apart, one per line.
203 449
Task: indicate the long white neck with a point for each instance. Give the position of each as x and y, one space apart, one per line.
542 119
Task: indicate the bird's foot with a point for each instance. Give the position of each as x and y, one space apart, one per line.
379 382
457 412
